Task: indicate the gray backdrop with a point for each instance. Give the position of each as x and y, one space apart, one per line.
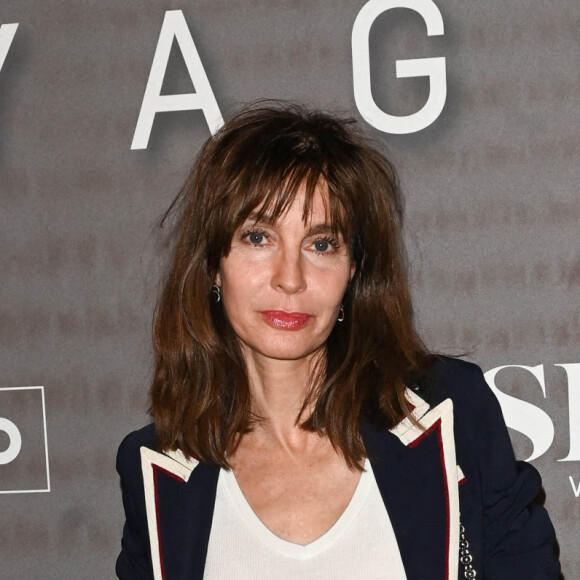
492 225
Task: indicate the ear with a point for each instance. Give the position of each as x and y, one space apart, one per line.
218 279
352 270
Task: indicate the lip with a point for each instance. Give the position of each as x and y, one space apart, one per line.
285 320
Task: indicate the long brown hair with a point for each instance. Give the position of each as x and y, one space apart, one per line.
261 157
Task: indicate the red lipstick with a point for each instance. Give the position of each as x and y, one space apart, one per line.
285 320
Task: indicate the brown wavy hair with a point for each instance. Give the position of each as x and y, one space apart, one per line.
261 157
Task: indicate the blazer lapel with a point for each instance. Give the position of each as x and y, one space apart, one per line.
417 475
415 469
180 498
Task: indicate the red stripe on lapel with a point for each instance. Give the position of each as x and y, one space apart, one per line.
175 465
439 419
167 472
426 433
436 426
156 470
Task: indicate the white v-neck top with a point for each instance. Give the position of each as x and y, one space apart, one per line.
361 544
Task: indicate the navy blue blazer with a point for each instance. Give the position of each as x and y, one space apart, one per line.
457 469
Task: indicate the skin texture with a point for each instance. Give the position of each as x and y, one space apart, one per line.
294 480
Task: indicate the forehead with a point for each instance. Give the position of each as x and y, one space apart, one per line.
310 207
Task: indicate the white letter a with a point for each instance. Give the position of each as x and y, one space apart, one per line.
175 26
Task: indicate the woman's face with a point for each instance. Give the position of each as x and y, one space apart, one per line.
282 283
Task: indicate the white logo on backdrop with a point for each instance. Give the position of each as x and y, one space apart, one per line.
7 32
175 26
575 487
14 441
24 422
534 422
434 68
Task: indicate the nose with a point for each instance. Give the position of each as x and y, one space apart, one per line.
288 273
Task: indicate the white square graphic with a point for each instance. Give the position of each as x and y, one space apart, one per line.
23 441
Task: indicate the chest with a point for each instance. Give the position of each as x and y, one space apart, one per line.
361 544
297 499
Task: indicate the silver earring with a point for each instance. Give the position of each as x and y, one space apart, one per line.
217 291
340 314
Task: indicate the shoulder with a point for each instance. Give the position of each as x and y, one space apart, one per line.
134 561
475 407
481 437
461 381
129 453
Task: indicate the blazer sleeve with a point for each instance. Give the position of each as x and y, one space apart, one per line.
134 561
518 536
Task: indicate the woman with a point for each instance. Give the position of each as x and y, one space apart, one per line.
301 429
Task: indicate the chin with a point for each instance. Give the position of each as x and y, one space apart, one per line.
284 349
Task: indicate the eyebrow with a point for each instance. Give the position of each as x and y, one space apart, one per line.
321 228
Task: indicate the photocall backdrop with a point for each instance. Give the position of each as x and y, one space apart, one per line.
103 106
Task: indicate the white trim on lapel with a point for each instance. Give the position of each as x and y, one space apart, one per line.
439 418
406 430
175 464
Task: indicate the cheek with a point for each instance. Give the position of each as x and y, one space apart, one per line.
238 279
242 288
332 281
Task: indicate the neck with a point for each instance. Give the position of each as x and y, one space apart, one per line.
278 389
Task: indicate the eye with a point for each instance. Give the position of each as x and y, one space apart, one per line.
325 245
254 237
